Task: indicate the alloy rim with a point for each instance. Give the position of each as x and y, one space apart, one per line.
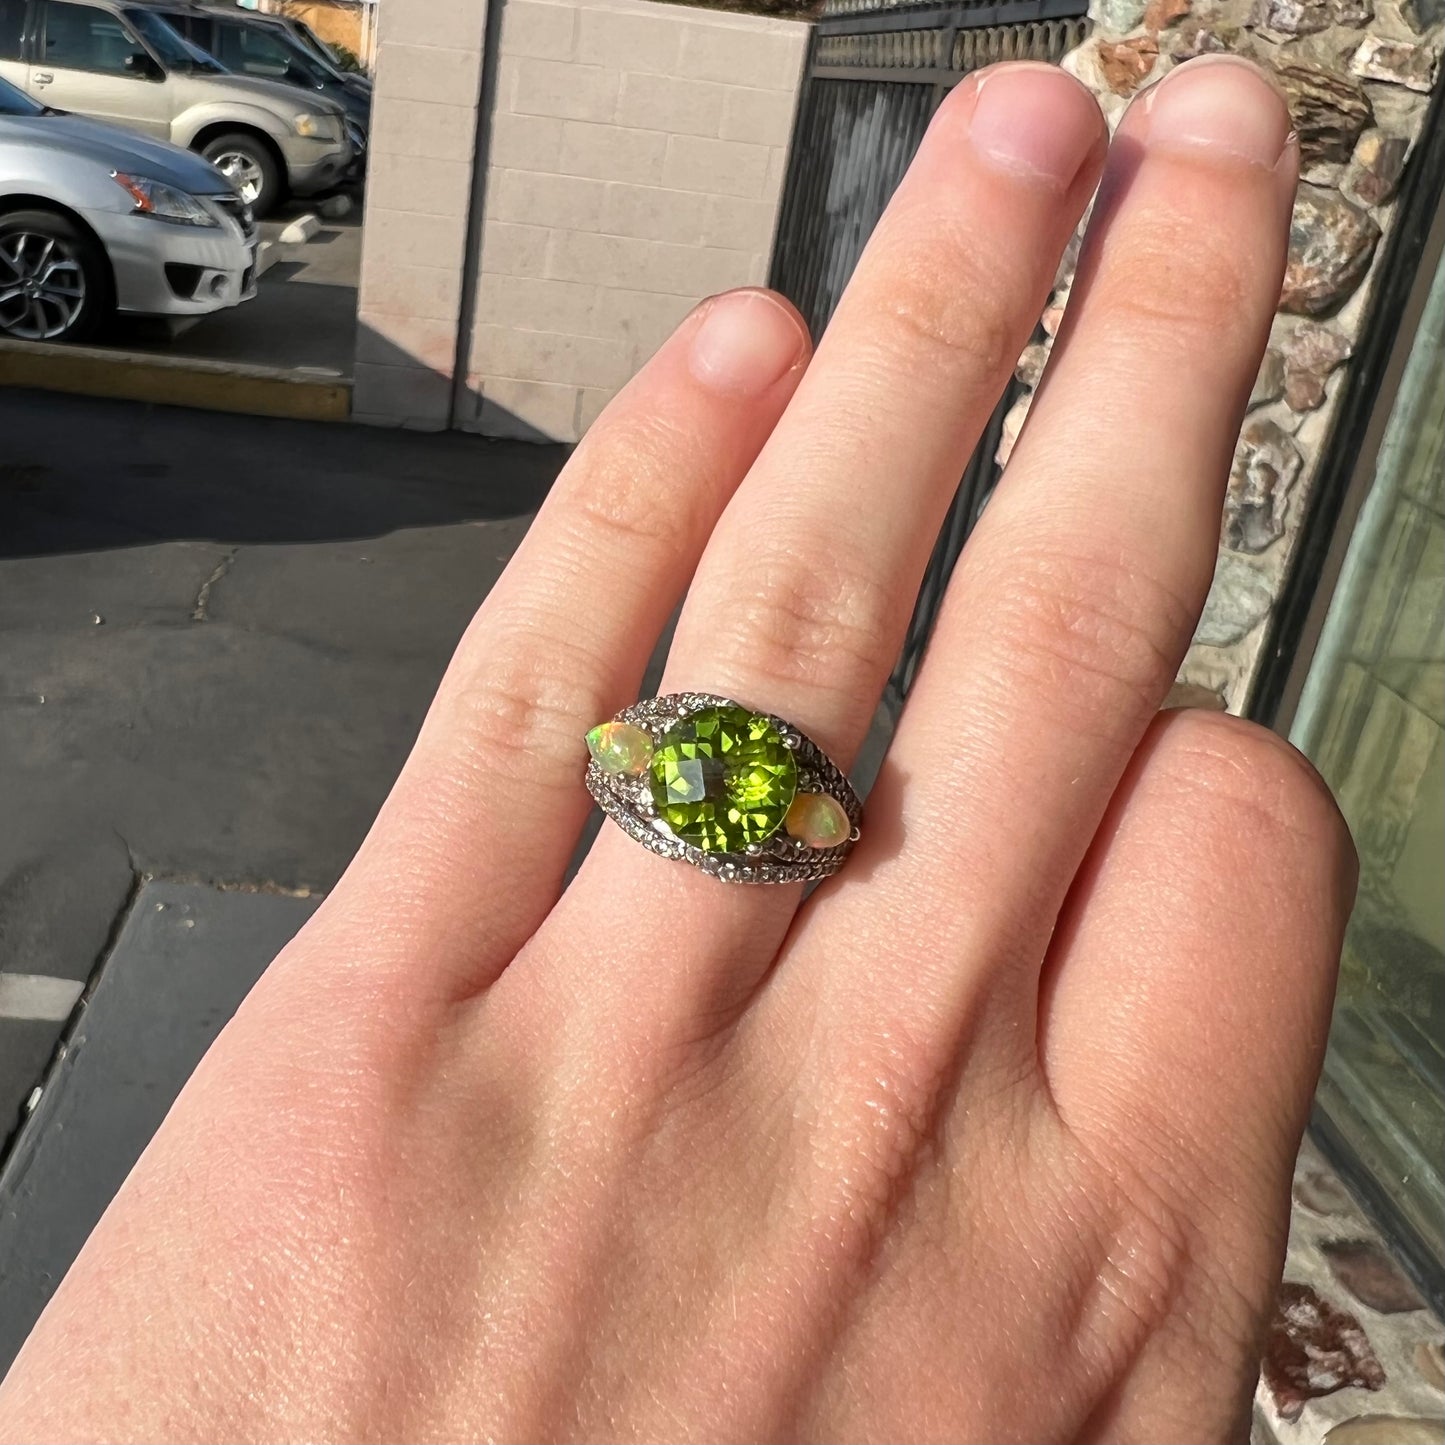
243 172
42 286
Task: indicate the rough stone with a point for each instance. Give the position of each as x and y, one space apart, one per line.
1352 13
1124 63
1430 1361
1387 1430
1322 1194
1364 1269
1161 14
1031 364
1291 17
1375 168
1266 466
1331 242
1311 353
1238 602
1269 381
1329 110
1194 38
1117 17
1412 66
1013 424
1422 15
1314 1349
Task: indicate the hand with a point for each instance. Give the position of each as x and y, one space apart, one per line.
991 1138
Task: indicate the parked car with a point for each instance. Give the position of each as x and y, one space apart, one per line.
122 63
260 46
305 36
94 220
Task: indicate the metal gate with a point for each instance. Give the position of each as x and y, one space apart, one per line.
877 70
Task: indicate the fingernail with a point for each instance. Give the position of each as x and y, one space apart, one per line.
1034 120
1221 102
748 340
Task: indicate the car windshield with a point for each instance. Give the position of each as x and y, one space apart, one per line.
16 102
174 51
319 47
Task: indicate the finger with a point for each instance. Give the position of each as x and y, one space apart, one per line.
1187 997
1077 596
469 852
802 598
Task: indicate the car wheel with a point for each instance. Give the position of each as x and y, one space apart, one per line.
249 166
54 279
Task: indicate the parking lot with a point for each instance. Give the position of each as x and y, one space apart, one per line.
304 315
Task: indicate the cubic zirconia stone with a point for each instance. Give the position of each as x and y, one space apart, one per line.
723 779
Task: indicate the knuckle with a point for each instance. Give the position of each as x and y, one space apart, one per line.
1093 630
1240 776
623 497
821 623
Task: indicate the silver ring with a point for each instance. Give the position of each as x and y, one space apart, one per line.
741 794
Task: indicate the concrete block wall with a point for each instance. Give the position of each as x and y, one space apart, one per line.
636 162
418 204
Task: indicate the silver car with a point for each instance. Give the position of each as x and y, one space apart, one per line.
122 63
94 221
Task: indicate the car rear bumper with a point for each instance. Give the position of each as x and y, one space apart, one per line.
170 270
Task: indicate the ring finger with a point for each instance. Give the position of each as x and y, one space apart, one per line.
803 595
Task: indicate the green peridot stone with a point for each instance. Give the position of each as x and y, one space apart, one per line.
723 779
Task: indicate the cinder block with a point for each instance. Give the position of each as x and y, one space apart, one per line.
653 214
612 153
635 317
645 43
426 291
421 128
408 239
762 117
733 168
590 405
566 202
546 31
547 356
524 142
533 304
446 24
561 88
407 341
424 72
654 266
739 224
410 394
413 183
766 55
512 250
663 102
531 411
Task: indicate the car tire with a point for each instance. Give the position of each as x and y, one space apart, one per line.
249 165
55 279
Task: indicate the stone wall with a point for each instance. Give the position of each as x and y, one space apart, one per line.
635 155
1357 74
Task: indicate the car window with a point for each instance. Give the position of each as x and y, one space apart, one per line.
80 37
253 51
12 28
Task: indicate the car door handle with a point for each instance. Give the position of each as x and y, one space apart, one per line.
43 77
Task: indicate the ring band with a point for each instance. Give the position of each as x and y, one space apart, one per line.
740 794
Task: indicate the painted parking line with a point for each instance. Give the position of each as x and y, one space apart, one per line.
37 999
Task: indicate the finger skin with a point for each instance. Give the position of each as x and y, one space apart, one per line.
469 852
804 593
1077 595
1187 999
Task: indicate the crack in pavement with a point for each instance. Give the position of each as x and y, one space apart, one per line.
200 612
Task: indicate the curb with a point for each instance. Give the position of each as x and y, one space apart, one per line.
174 381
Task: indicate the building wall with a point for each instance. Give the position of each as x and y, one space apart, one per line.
635 155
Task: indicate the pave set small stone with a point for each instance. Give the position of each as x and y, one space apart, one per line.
738 793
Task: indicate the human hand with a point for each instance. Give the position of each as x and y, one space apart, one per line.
991 1138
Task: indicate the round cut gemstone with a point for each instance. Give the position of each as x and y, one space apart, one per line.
819 821
620 748
723 779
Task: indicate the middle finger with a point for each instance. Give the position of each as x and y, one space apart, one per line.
803 595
